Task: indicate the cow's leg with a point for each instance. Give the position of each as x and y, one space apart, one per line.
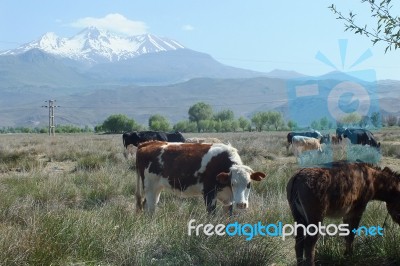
225 196
152 198
287 148
210 200
309 249
310 241
311 215
353 220
228 210
299 246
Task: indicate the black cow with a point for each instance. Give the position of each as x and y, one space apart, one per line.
339 133
175 137
135 138
361 136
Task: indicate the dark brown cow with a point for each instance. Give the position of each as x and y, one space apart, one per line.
339 189
214 171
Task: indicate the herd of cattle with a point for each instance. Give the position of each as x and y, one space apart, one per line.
209 168
313 140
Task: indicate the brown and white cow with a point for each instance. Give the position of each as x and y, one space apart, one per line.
214 171
301 144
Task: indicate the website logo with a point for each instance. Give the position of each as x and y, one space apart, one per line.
335 95
249 231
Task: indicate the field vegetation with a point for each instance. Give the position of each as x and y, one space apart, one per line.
69 200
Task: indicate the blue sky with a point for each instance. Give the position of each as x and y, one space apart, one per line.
259 35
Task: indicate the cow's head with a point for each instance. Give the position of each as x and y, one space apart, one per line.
239 179
393 208
325 139
131 138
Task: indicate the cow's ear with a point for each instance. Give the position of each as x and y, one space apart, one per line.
223 178
257 176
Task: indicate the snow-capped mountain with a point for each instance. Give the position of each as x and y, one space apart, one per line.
98 46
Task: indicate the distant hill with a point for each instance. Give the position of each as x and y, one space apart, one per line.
96 73
243 96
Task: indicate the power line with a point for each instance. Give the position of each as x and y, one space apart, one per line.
51 107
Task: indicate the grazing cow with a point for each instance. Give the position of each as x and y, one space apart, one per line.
301 144
175 137
203 140
214 171
339 133
314 134
335 140
325 139
338 189
135 138
361 136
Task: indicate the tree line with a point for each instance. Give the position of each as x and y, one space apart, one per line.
202 118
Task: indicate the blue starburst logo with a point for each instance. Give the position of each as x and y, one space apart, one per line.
336 94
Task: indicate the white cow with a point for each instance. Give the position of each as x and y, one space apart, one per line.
202 140
301 144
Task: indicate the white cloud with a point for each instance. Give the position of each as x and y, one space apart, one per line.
187 27
113 22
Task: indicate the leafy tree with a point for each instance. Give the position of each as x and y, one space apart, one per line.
270 118
226 125
98 128
364 121
275 119
200 111
234 125
68 129
391 120
376 119
258 120
324 122
211 125
185 126
292 125
203 125
158 123
218 126
351 119
119 123
243 123
224 115
387 27
315 124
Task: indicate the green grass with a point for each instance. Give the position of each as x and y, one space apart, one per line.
84 214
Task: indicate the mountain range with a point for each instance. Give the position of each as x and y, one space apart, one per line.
95 73
93 46
97 57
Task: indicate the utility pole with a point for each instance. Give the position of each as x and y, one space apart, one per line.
52 125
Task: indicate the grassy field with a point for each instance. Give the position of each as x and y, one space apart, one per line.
69 200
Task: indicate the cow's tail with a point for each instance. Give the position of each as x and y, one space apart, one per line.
295 203
123 140
140 199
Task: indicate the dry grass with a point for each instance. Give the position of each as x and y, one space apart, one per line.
69 200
